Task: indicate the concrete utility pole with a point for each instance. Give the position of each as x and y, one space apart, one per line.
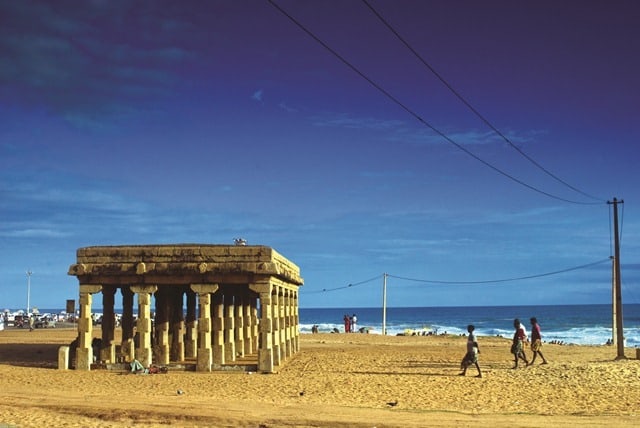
614 307
617 288
29 273
384 303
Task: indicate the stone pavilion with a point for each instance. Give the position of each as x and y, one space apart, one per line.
207 306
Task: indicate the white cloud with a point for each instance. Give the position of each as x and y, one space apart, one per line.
257 95
34 233
287 108
347 121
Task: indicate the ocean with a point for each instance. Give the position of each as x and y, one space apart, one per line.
570 324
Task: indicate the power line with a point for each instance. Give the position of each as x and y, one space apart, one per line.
418 117
494 281
324 290
470 107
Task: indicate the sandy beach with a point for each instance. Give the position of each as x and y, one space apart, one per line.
336 380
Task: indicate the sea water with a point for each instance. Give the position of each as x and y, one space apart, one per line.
571 324
575 324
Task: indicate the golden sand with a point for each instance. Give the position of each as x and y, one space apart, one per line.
336 380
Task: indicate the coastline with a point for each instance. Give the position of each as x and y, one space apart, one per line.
335 380
582 324
578 324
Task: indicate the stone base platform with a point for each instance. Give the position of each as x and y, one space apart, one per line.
242 365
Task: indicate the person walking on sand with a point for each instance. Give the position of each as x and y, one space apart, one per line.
471 357
517 347
536 341
347 323
354 324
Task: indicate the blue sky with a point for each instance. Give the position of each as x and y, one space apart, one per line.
179 122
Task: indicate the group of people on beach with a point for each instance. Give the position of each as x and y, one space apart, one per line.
350 323
520 340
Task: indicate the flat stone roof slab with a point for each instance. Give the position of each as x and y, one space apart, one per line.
188 262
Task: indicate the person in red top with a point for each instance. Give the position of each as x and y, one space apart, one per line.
517 347
347 323
536 341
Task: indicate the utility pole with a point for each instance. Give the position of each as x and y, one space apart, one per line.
617 288
614 307
29 273
384 303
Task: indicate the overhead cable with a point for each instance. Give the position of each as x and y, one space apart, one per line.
470 107
495 281
324 290
437 282
418 117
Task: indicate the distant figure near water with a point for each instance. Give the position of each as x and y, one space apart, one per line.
347 323
536 341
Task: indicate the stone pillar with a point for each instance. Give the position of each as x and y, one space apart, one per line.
217 329
265 350
255 325
84 352
288 325
283 322
239 325
176 325
229 329
127 348
144 352
108 349
161 330
276 324
296 322
191 338
204 358
248 326
63 358
282 325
